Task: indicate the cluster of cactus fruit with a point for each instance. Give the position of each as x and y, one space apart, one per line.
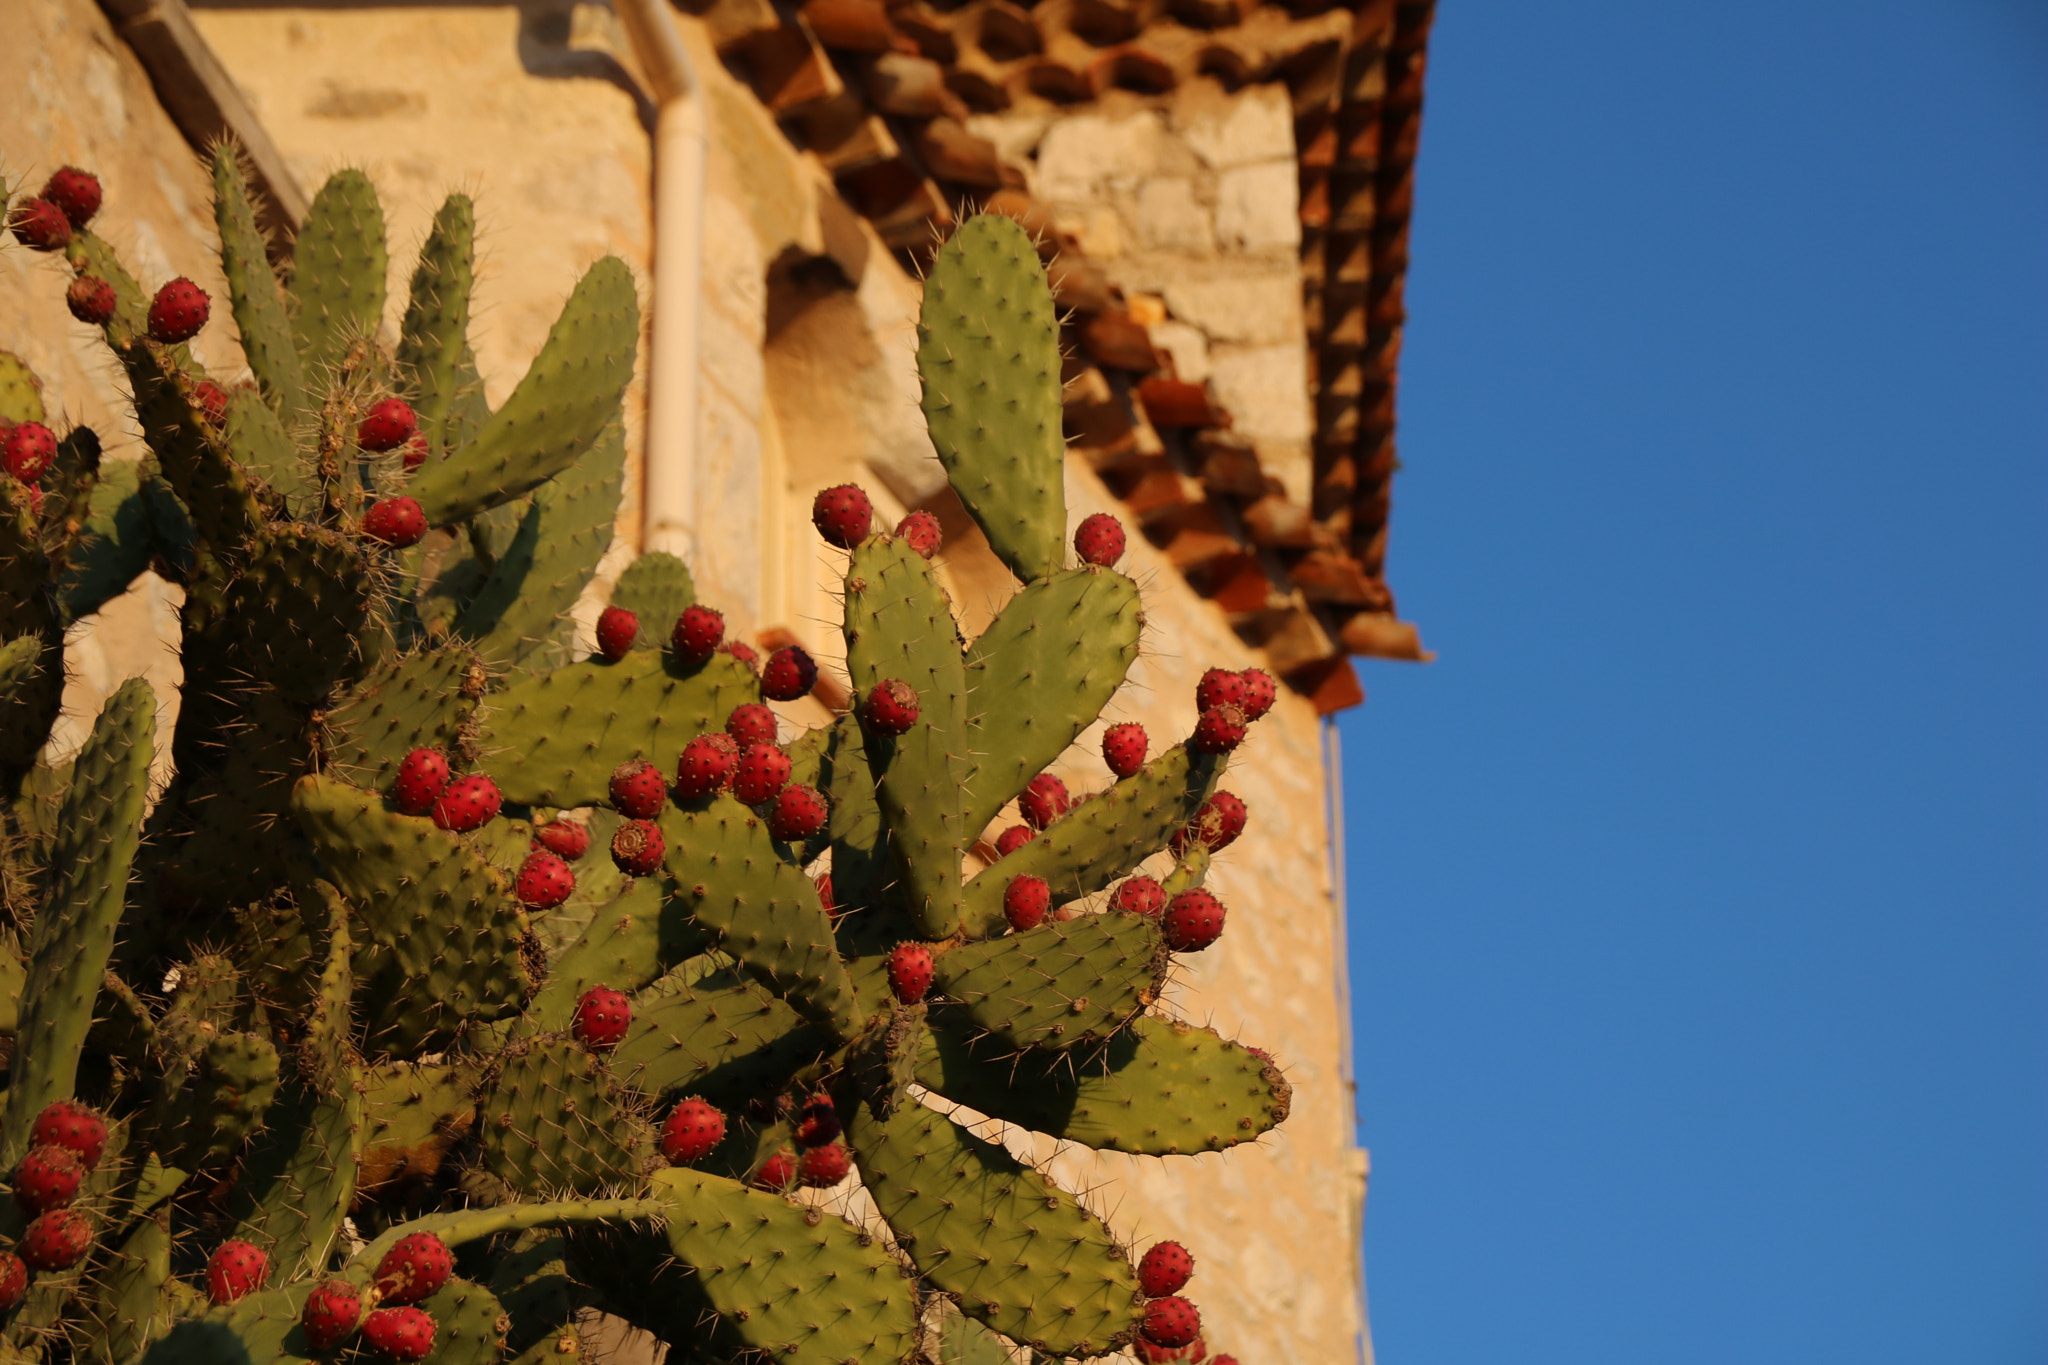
343 1041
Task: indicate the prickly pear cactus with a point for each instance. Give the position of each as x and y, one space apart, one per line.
455 987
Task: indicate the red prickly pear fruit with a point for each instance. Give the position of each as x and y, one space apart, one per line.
399 1333
602 1017
637 789
1100 540
332 1310
843 515
823 1167
789 673
544 881
1025 902
910 972
178 312
1165 1269
1220 1360
891 707
706 764
467 803
414 1268
397 522
1260 692
57 1240
751 723
1167 1355
47 1178
1170 1322
763 771
921 532
817 1123
13 1281
1044 801
413 453
76 194
744 652
799 812
212 402
1220 686
40 225
691 1132
235 1271
617 628
67 1123
638 848
1124 748
1216 824
778 1172
1220 729
29 451
389 424
1193 920
697 633
422 777
824 885
1014 838
91 299
569 839
1138 896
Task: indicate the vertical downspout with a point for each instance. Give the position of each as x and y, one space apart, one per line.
668 488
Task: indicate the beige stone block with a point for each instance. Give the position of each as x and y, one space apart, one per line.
1265 390
1259 206
1256 125
1255 309
1188 347
1170 218
1089 156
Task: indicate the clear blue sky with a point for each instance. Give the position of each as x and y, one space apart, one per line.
1699 894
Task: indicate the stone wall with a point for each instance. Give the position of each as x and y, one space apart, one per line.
808 379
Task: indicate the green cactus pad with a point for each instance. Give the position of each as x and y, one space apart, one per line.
198 468
261 445
469 1325
1061 984
253 292
408 701
1101 838
1040 675
262 1329
520 613
433 341
21 393
21 663
549 1120
128 1306
221 1100
303 600
114 546
656 588
963 1341
722 1037
444 933
73 936
546 746
569 396
785 1283
339 262
414 1116
1158 1088
1189 872
628 943
1018 1253
900 625
765 912
989 357
533 1283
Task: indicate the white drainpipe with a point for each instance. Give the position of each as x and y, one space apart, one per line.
668 489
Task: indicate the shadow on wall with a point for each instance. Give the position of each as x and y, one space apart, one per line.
558 40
